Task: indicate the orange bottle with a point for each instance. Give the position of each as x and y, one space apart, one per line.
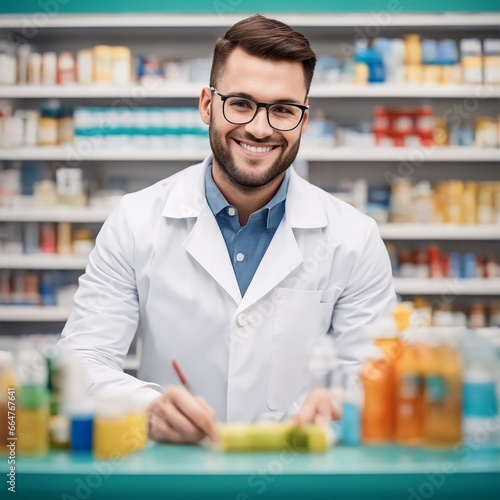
377 415
386 337
442 370
409 396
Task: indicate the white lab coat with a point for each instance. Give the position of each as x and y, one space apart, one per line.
160 265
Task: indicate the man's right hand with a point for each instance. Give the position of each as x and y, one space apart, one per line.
179 417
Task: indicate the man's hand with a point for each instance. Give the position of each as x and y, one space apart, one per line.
318 408
179 417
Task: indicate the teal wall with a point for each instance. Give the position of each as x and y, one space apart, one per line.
232 6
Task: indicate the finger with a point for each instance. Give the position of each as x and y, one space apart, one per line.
323 412
205 405
307 412
182 425
192 409
161 432
211 412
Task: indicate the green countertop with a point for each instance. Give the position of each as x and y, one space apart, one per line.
187 472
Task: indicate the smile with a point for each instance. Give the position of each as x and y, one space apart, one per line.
255 149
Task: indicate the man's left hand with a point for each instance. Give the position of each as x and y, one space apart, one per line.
318 408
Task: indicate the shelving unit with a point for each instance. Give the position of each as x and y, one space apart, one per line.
349 100
34 313
448 286
53 214
193 90
303 19
60 262
439 232
437 154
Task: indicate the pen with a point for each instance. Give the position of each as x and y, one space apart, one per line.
212 435
181 376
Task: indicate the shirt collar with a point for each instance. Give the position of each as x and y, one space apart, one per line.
275 207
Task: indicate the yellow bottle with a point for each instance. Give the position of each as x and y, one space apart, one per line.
402 315
7 399
137 425
422 313
413 50
470 203
455 201
32 407
442 369
118 428
110 429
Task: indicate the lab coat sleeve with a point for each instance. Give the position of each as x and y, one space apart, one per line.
369 295
105 314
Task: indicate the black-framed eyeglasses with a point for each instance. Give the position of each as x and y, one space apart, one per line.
240 110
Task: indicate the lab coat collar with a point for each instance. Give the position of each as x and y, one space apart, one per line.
206 244
187 198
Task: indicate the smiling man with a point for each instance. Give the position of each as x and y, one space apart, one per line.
233 267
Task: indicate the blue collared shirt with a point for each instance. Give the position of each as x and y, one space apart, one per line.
246 244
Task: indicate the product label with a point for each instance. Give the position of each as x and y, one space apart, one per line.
410 386
436 388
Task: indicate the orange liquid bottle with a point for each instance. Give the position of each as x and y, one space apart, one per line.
386 337
409 396
377 415
442 369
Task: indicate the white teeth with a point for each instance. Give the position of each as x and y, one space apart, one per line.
254 149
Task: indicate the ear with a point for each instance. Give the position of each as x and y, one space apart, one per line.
303 125
204 105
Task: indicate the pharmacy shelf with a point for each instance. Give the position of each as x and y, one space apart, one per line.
447 286
193 90
418 154
387 231
404 90
439 231
172 20
60 262
54 214
71 153
34 313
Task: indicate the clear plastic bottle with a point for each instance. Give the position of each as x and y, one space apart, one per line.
480 387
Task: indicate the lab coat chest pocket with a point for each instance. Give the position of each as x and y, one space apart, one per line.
299 317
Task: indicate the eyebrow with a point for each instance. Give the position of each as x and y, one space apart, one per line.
248 96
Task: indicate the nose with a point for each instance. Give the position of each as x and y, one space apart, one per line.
259 127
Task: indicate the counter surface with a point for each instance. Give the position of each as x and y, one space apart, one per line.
385 472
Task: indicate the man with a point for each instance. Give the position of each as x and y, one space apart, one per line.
234 266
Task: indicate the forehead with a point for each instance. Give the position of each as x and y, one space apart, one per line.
262 79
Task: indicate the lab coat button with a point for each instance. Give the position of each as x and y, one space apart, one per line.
242 320
240 257
231 211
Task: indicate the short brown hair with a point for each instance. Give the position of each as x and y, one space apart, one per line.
266 38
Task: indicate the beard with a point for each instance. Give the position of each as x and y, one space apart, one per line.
250 181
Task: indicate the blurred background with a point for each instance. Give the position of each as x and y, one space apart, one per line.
99 98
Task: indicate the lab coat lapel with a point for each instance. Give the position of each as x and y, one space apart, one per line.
206 244
281 258
302 211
